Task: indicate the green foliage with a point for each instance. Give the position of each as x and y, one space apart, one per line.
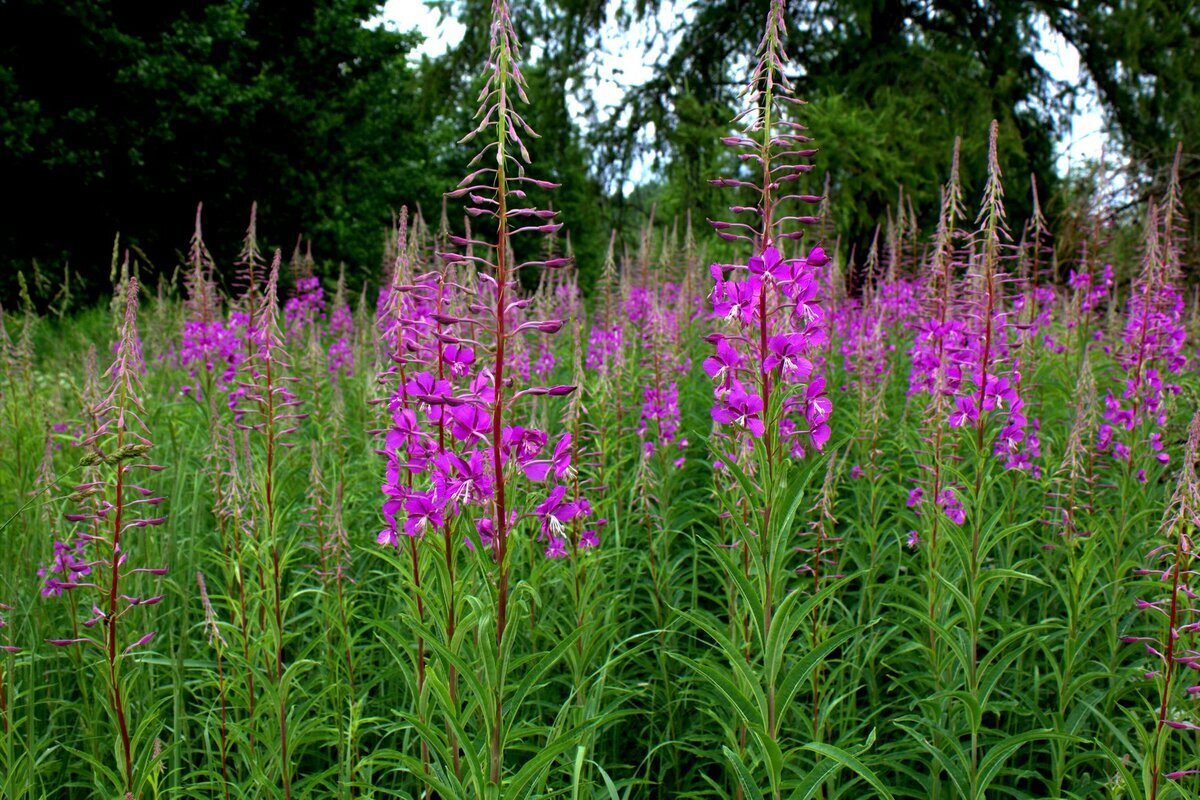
301 108
625 671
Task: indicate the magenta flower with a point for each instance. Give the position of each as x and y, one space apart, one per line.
461 481
459 358
424 512
769 263
819 436
998 393
470 423
952 506
722 366
427 389
591 536
805 293
553 513
559 463
739 300
405 433
964 411
741 409
523 444
816 257
69 562
817 406
787 351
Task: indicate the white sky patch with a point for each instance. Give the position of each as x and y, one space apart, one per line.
1088 134
627 57
404 15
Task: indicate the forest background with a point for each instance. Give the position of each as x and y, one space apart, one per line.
119 117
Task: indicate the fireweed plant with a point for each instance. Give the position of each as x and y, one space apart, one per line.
463 462
979 585
770 408
1169 575
979 440
112 510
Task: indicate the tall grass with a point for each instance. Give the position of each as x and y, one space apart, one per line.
786 527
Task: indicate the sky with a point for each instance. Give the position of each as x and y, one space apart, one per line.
626 61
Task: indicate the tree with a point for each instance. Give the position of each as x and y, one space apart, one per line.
294 104
1142 56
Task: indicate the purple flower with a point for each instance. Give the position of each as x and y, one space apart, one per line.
819 436
460 358
554 513
741 409
952 507
964 411
722 367
769 263
804 293
591 537
816 257
560 462
739 300
427 388
998 393
787 350
459 481
817 406
405 432
524 444
470 423
423 512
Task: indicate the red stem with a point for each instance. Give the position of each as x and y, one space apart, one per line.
110 621
278 607
1169 666
499 504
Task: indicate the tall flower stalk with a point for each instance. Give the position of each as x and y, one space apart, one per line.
770 398
492 197
933 373
406 451
112 508
462 461
272 413
1171 568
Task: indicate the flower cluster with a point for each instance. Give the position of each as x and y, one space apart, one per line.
68 565
778 329
305 307
985 377
341 333
441 429
1150 350
1089 293
659 419
112 507
454 444
766 366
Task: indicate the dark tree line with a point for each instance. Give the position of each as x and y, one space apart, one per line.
118 116
122 116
